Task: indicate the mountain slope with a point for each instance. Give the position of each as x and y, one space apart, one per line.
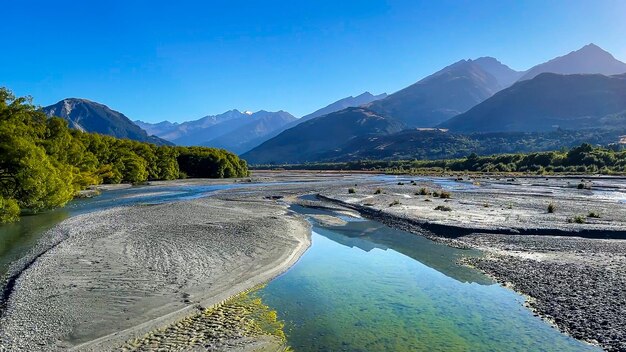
90 116
503 73
253 133
436 98
546 102
437 144
341 104
589 59
307 140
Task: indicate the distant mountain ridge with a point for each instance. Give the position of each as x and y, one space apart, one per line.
89 116
588 59
446 93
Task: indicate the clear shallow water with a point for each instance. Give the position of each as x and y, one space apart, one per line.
367 287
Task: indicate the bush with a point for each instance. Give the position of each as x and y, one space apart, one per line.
551 208
351 190
443 208
593 214
578 219
435 194
395 202
422 192
378 191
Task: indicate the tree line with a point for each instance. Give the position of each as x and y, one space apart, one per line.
584 159
44 163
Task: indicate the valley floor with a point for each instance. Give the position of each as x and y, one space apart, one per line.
143 276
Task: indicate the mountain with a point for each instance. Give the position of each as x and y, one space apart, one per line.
547 102
505 75
197 131
589 59
431 144
307 140
90 116
253 133
341 104
436 98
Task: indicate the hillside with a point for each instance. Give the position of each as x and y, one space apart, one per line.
307 140
547 102
89 116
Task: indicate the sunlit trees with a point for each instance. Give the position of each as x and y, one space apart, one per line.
43 163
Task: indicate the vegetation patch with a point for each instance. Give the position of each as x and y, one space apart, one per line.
443 208
551 208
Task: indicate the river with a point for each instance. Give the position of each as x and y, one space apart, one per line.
360 287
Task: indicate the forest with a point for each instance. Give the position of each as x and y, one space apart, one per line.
44 163
584 159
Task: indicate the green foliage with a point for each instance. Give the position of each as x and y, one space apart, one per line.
578 219
9 210
423 192
44 163
445 195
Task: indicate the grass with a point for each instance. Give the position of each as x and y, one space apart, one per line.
443 208
551 208
435 194
378 191
351 190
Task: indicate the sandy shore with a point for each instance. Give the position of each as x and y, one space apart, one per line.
573 273
120 273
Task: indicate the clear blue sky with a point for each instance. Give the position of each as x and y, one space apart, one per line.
180 60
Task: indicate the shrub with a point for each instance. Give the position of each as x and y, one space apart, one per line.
9 210
578 219
435 194
395 202
378 191
422 192
551 208
400 183
593 214
443 208
351 190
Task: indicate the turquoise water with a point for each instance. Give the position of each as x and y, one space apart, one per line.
367 287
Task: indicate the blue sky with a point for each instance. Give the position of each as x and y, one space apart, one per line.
181 60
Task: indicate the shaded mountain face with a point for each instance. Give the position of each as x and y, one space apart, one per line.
93 117
436 98
253 133
547 102
438 144
588 59
341 104
323 134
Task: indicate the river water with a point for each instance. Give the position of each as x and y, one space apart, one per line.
360 287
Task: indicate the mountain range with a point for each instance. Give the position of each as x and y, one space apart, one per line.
484 95
584 90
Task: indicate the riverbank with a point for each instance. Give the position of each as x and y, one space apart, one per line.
121 273
574 282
